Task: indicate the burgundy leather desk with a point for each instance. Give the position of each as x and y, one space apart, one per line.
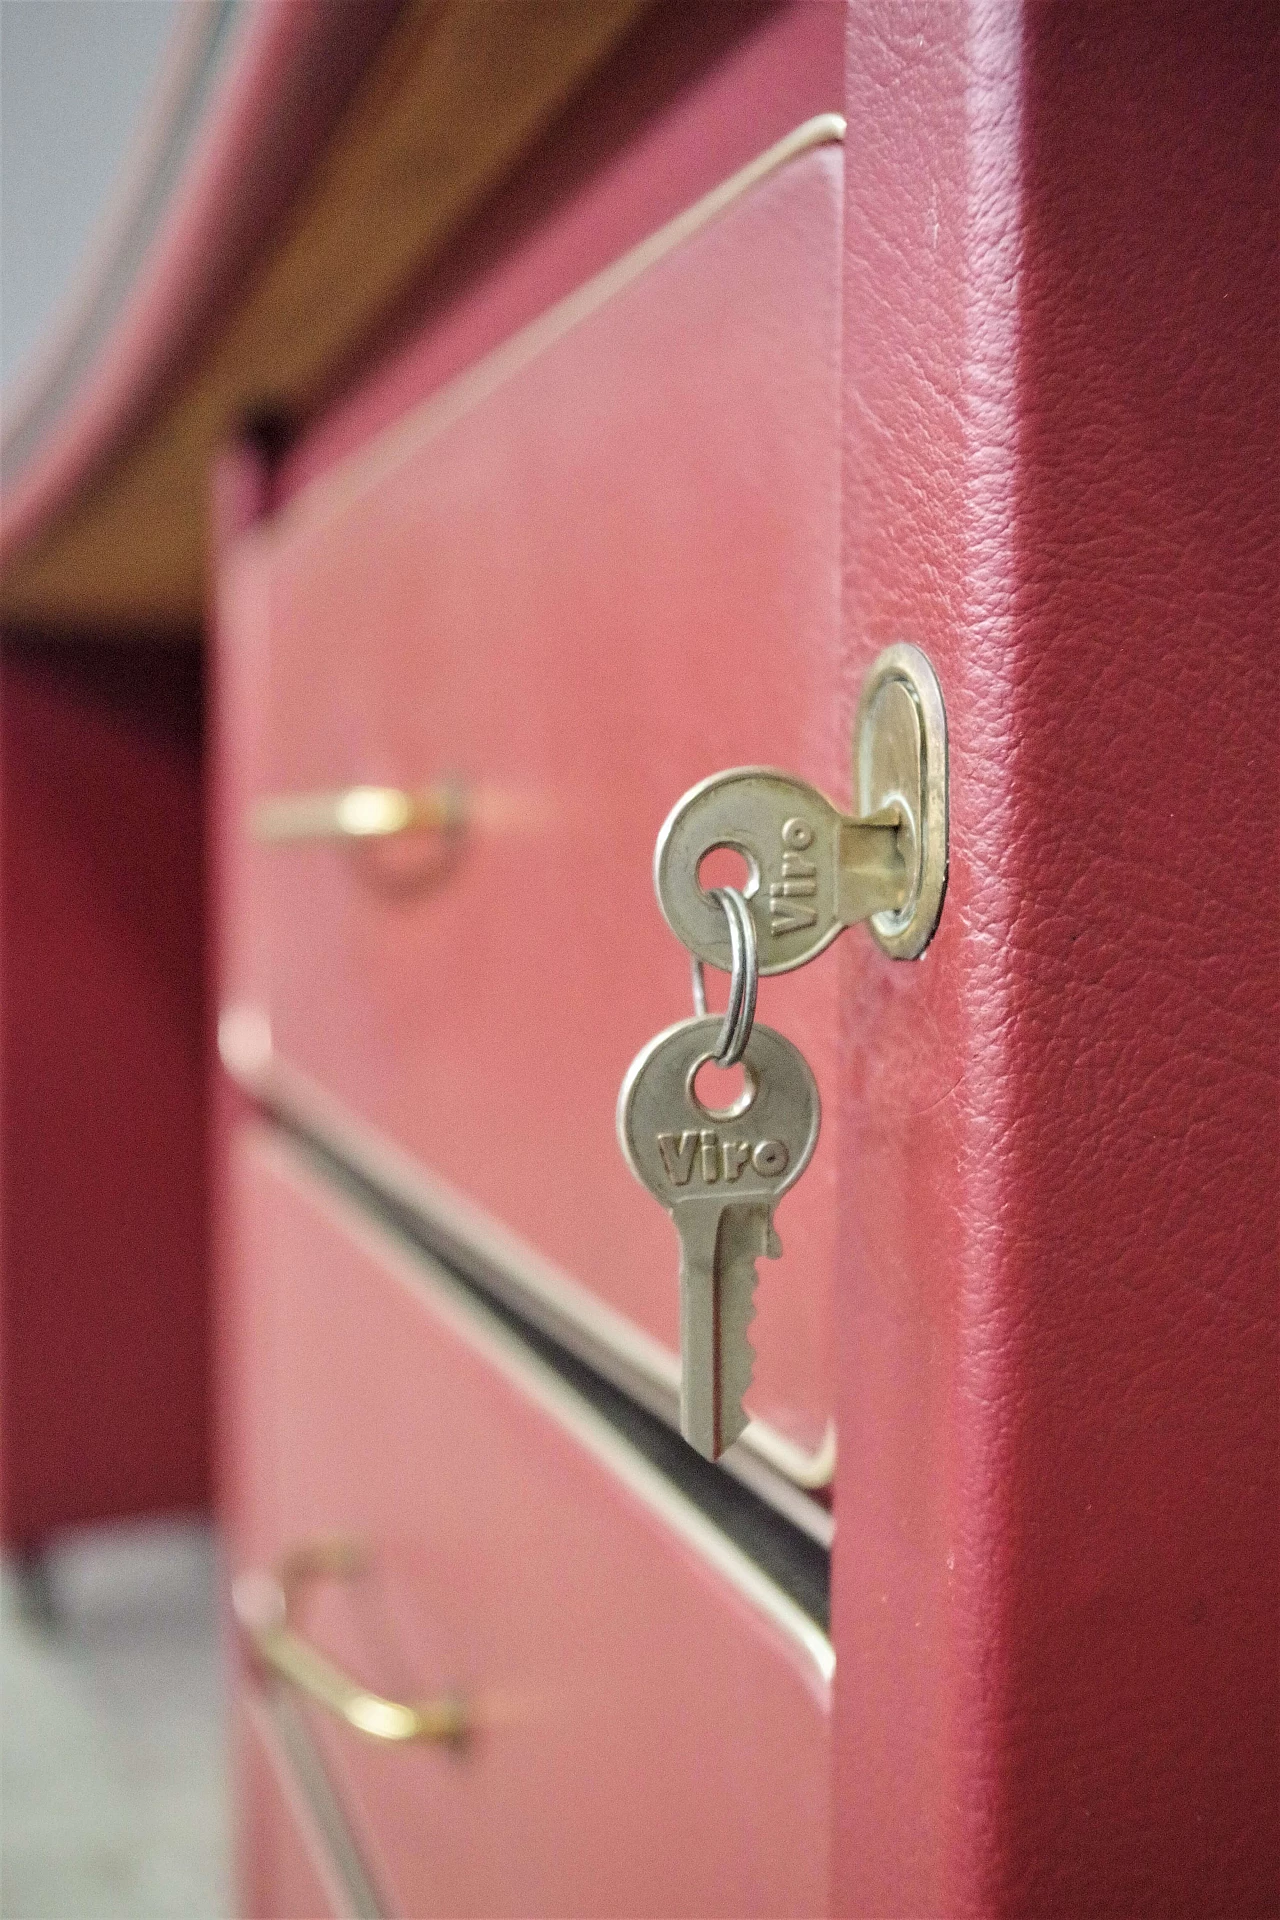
596 505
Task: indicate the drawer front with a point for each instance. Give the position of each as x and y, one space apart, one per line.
593 572
650 1717
286 1870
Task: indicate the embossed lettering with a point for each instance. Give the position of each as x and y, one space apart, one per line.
799 882
770 1158
788 916
734 1155
716 1158
677 1158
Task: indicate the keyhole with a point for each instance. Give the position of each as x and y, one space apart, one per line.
726 866
722 1092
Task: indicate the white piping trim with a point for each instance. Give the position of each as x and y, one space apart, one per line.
307 1790
333 491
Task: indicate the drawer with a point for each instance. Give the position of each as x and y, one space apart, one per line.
649 1713
599 567
296 1860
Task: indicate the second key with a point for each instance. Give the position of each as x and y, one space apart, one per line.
720 1172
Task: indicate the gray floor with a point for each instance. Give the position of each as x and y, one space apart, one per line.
113 1802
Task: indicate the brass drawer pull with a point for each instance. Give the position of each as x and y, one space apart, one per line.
356 813
263 1604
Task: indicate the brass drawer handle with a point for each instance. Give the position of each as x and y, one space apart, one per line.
356 813
263 1604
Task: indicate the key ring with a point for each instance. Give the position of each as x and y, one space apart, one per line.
740 1013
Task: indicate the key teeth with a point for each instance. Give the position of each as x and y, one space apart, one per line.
742 1343
738 1310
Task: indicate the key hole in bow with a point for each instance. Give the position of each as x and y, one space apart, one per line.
723 1093
725 865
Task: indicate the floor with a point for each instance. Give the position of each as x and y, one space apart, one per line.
113 1799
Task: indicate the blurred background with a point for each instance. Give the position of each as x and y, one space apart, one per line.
113 1793
75 79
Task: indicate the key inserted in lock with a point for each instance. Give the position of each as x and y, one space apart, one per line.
812 870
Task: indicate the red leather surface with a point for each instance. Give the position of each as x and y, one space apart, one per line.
284 1871
1056 1560
695 91
647 1741
611 576
104 1305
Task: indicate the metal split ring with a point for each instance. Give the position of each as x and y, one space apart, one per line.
741 1011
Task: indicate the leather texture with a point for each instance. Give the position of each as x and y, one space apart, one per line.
1055 1580
647 1739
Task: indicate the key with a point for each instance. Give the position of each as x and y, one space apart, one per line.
720 1173
813 871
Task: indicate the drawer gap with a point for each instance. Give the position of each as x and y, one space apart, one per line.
792 1559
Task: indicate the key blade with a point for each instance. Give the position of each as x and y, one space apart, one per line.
746 1234
720 1243
698 1224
